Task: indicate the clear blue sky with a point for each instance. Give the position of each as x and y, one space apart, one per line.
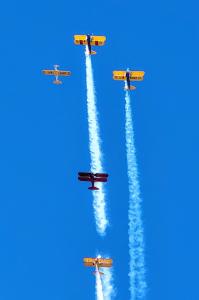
46 217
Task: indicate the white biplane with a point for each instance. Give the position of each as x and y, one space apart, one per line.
56 73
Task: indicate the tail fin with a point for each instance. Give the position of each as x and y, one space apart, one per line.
93 188
101 273
132 87
93 52
57 81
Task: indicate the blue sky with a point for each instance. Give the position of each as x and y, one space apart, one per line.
46 216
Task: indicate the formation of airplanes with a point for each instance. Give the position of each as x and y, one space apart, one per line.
127 76
96 40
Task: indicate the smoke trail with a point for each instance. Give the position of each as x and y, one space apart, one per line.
107 282
136 236
98 285
95 151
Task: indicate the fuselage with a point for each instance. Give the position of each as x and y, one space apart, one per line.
96 263
89 43
128 79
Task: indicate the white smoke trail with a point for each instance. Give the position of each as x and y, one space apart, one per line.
95 151
136 235
98 286
107 282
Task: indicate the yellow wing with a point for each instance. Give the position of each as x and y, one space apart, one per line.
80 39
49 72
105 262
98 40
136 75
89 262
64 73
119 75
95 40
56 72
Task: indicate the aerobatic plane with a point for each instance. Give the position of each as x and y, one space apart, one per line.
56 73
98 262
128 76
93 177
89 40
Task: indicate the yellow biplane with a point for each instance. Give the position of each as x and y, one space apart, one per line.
56 73
98 262
128 76
89 40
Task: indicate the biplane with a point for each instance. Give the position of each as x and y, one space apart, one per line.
93 177
56 73
89 40
98 262
128 76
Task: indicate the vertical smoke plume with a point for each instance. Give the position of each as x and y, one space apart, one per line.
136 235
107 282
106 278
98 285
99 203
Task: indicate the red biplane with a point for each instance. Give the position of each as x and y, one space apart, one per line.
93 177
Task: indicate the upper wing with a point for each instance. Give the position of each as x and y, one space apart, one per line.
101 175
84 174
95 40
98 40
105 262
136 75
64 73
89 262
49 72
56 72
119 75
80 39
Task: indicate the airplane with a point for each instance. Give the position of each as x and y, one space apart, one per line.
128 76
89 40
98 262
92 177
56 73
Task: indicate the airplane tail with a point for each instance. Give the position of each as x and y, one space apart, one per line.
132 87
93 52
95 272
57 81
93 188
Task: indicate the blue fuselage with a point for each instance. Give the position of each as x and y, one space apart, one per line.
128 79
89 43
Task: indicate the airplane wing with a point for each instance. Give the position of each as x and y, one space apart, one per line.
64 73
95 40
119 75
56 72
101 175
84 178
98 40
84 174
49 72
80 39
88 262
102 179
105 262
136 75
